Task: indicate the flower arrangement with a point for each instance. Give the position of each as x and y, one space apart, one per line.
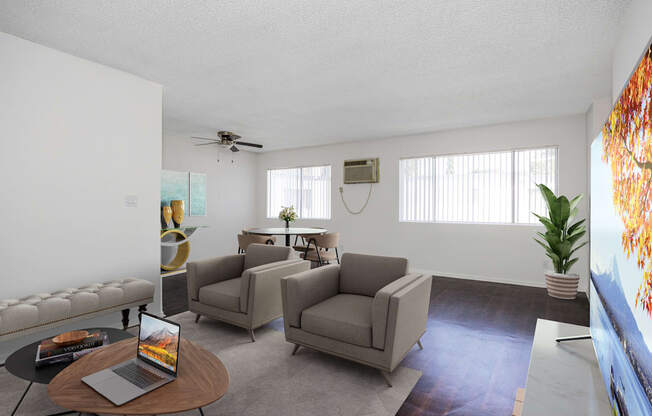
288 214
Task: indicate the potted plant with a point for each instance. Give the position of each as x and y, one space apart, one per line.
288 214
560 241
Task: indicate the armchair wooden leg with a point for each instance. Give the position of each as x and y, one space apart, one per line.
296 348
386 377
419 343
197 318
251 334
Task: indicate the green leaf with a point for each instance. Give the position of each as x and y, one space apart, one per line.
578 247
579 231
575 237
569 264
564 211
550 253
564 249
575 226
546 222
548 196
575 201
553 241
542 244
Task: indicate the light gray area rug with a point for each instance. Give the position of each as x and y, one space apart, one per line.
266 379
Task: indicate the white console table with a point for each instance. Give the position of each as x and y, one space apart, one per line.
563 378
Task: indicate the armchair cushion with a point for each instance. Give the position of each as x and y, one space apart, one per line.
258 254
343 317
209 271
303 290
362 274
223 295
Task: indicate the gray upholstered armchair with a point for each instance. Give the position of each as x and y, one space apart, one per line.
242 289
368 310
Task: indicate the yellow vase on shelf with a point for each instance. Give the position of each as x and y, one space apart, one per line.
166 216
177 211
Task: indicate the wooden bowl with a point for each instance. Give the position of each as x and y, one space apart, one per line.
69 338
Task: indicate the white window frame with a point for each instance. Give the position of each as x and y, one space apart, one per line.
513 151
269 215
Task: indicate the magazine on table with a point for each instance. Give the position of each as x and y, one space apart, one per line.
71 352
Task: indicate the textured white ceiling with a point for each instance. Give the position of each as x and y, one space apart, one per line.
291 73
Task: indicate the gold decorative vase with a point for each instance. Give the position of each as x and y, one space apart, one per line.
177 211
166 216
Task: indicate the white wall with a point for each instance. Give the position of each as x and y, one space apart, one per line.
230 193
77 138
635 35
501 253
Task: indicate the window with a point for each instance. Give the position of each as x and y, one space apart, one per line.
497 187
307 189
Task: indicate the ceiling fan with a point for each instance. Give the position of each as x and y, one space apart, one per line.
227 139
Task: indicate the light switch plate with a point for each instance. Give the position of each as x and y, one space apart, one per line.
131 201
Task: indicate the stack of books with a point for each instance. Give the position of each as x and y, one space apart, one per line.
49 352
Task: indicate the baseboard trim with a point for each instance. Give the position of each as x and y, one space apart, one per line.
491 279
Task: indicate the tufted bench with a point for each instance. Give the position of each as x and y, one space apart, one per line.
45 310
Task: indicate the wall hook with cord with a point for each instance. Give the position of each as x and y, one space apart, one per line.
371 185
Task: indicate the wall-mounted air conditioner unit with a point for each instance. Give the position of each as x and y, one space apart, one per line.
361 171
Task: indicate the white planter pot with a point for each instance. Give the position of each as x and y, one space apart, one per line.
562 286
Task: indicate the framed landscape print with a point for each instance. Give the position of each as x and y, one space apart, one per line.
197 194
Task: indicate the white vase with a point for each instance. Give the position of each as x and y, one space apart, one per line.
562 286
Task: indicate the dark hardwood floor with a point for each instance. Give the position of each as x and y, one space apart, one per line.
476 348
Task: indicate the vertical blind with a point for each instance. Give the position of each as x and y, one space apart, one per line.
497 187
417 190
533 167
307 189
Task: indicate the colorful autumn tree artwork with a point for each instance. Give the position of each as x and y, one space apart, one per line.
627 147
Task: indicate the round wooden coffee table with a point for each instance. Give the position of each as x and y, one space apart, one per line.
202 379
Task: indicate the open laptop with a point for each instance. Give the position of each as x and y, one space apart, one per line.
154 366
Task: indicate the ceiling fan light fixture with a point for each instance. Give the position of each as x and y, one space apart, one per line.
226 140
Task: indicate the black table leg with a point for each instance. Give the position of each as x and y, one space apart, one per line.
67 412
201 412
21 399
287 240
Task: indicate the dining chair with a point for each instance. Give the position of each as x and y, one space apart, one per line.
302 247
244 240
319 248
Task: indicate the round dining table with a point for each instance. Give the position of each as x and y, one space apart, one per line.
287 232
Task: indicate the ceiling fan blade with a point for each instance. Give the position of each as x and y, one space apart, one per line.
260 146
205 144
234 149
204 138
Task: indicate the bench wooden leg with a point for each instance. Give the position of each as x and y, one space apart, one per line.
125 318
251 334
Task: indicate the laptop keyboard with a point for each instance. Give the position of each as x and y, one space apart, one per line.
137 375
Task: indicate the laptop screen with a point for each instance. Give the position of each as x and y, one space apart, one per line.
158 342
